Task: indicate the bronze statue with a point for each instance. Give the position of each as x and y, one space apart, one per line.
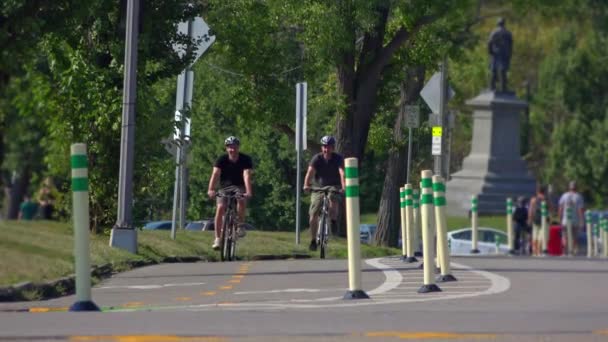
500 46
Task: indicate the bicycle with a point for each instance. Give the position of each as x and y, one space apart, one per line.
324 222
228 235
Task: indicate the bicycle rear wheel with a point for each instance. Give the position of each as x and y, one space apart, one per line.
225 239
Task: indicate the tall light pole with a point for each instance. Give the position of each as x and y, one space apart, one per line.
123 235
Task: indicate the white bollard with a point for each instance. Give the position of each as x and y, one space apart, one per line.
442 230
510 239
351 172
569 217
589 233
544 214
416 224
80 207
596 239
409 223
428 232
403 223
474 233
604 231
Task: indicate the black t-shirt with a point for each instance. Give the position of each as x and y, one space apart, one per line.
327 170
232 172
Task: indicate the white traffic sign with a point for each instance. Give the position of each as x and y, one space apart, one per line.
431 92
412 116
301 109
197 30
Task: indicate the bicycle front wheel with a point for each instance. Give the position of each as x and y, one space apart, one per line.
225 239
322 236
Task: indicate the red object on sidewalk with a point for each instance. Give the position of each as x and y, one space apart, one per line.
554 245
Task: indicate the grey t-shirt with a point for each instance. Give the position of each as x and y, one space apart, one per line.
327 171
575 201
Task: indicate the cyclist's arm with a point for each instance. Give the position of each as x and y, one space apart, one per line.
247 180
309 175
215 176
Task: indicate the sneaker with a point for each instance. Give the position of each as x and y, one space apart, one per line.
313 245
216 244
240 230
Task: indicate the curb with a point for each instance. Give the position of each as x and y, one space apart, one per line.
67 285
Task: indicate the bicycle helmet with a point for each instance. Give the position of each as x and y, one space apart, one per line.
328 140
232 140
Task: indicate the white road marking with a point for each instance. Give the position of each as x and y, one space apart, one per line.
147 287
288 291
385 294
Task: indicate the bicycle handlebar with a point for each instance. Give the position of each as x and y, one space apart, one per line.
325 190
237 195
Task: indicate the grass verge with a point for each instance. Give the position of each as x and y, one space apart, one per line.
39 251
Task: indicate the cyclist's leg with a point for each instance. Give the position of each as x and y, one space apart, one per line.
219 220
335 201
241 209
316 202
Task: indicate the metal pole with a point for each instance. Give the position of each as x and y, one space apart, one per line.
298 189
127 240
409 155
438 167
176 188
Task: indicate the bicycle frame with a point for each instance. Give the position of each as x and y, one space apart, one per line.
323 220
228 234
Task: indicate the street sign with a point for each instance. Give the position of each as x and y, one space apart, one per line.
431 92
412 116
197 30
436 143
301 109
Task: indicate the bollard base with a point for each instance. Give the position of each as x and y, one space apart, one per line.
445 278
355 294
512 252
409 259
84 305
475 251
429 288
418 254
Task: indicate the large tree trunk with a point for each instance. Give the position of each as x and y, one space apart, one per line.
16 192
388 213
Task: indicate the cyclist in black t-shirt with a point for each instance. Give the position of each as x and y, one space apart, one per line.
325 169
233 170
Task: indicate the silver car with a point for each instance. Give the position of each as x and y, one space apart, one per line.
489 241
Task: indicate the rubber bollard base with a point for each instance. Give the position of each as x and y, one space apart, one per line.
418 254
85 305
445 278
356 294
474 251
429 288
410 259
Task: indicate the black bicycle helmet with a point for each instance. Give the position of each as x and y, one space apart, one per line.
328 140
232 140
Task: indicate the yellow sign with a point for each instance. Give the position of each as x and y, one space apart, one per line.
437 131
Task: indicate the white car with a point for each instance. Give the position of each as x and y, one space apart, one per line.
460 241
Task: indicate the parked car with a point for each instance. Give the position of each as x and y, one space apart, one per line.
366 232
202 225
460 241
158 225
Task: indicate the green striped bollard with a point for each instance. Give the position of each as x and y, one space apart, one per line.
408 238
589 233
596 238
442 230
351 172
403 223
510 240
80 209
474 233
605 237
428 233
569 217
544 214
416 224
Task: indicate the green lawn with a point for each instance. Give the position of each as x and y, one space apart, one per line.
42 250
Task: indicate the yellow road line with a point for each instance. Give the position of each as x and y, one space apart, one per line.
601 332
148 338
183 299
238 276
226 287
235 281
42 309
208 293
419 335
132 304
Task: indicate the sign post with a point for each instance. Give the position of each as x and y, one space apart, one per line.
301 107
412 120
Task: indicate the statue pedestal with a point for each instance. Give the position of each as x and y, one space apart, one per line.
494 169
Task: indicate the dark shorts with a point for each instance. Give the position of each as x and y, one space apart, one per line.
316 200
224 200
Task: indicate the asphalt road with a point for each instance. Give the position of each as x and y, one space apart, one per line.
495 298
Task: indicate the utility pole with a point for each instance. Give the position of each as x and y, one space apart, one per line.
123 235
439 165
